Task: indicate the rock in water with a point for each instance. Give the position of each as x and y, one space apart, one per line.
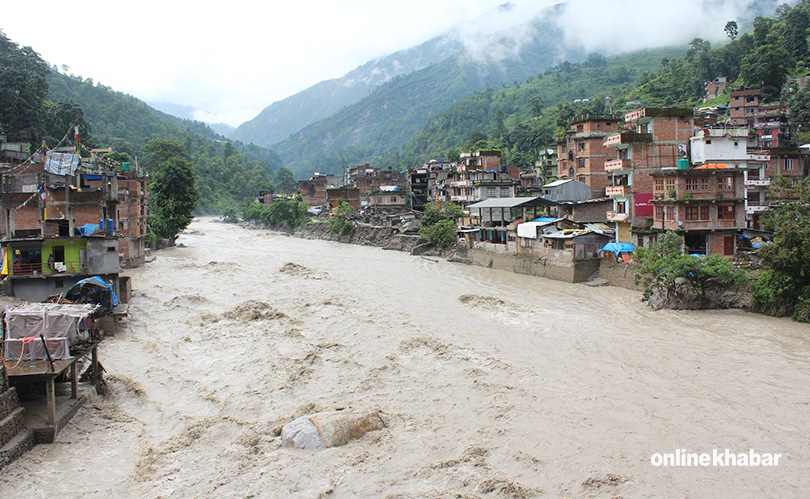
330 429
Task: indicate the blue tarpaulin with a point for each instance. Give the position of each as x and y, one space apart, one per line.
87 229
618 248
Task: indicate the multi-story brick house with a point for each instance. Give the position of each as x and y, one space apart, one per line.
706 204
313 190
582 153
653 138
480 176
744 105
728 145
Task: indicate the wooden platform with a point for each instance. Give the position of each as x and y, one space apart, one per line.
57 410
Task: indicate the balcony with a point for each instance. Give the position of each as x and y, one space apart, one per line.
612 216
617 190
459 198
758 182
461 183
751 209
759 156
617 164
626 138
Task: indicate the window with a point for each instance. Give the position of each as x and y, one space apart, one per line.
725 212
393 199
580 146
490 192
670 183
691 184
788 164
725 183
581 162
659 185
570 173
580 128
581 178
697 213
670 213
504 192
621 207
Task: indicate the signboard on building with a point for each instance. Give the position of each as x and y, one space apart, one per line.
643 205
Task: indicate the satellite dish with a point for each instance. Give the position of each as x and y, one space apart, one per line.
679 223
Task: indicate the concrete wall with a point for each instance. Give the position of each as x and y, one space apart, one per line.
618 274
102 256
38 288
525 264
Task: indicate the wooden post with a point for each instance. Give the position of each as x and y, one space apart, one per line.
51 396
95 360
74 381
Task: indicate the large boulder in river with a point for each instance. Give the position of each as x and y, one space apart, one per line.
330 429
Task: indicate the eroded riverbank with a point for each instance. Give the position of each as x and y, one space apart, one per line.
490 383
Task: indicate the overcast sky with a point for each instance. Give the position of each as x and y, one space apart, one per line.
233 58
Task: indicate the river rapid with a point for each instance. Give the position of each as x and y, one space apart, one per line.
490 383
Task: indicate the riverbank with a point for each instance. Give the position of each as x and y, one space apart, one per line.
491 383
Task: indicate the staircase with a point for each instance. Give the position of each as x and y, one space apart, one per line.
15 438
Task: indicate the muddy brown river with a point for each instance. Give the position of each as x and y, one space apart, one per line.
490 383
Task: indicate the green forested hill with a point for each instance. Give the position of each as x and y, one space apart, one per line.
534 106
226 174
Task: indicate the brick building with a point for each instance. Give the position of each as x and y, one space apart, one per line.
653 138
708 207
582 153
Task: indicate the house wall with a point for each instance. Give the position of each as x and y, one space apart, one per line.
39 288
524 264
102 256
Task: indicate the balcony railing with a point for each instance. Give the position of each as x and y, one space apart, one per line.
458 198
751 209
618 190
461 183
626 138
19 268
759 156
617 164
612 216
758 182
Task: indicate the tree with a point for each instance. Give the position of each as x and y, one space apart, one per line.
767 68
784 288
285 181
339 222
731 30
799 108
159 151
441 234
662 266
23 87
173 197
795 33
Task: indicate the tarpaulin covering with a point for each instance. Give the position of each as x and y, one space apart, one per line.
618 248
51 320
61 163
87 229
93 290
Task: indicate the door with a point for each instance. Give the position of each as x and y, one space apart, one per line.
728 245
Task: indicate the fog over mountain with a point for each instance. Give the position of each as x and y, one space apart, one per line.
503 40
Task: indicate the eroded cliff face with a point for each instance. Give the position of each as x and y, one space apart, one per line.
686 296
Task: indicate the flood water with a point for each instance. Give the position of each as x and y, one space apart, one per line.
491 383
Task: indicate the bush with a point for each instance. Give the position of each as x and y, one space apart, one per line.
230 215
339 222
253 212
663 264
441 233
